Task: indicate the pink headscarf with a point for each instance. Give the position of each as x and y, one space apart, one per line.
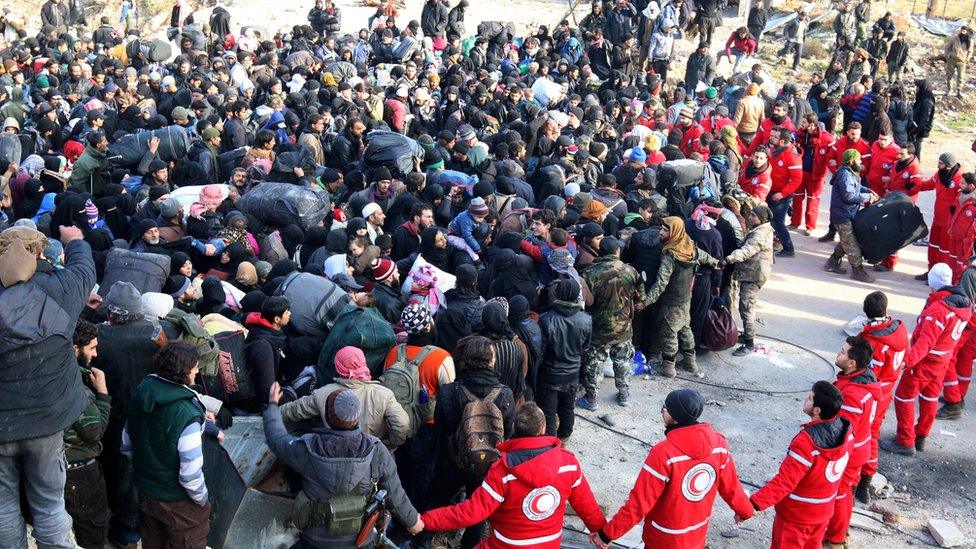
211 196
425 286
350 363
701 218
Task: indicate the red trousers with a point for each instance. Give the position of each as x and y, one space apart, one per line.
924 383
811 188
792 535
884 400
841 519
960 371
940 246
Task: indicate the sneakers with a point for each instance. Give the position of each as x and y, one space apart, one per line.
892 447
744 350
919 444
623 397
666 368
587 402
860 275
951 410
829 237
924 277
794 227
833 266
786 253
808 232
863 490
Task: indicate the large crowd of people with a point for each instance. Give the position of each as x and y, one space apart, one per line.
416 249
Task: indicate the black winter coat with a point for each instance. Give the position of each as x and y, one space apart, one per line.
566 332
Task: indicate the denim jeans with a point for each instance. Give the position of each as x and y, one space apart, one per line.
40 463
780 209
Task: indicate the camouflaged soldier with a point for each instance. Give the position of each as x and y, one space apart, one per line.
679 259
617 288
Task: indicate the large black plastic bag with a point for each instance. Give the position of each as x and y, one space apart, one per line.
283 204
887 226
10 148
393 150
174 143
146 271
286 162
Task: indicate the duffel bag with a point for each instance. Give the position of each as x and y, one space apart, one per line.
174 143
316 302
146 271
361 327
719 331
283 204
887 226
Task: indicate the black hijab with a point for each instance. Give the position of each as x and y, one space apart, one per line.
114 217
176 262
291 237
30 200
70 210
212 298
315 239
354 225
429 250
235 253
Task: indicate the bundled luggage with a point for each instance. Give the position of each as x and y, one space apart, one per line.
155 50
283 204
684 183
361 327
174 143
393 150
10 148
146 271
316 302
887 226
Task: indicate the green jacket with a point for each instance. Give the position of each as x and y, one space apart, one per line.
615 286
159 412
83 439
90 172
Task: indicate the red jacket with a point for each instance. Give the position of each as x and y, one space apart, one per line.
713 125
861 392
878 163
804 489
889 339
787 173
938 329
526 501
903 177
946 196
689 137
757 185
823 150
746 45
962 231
765 128
842 145
655 158
676 488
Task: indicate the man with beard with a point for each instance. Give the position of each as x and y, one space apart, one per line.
169 223
84 487
946 182
386 289
779 118
147 237
846 199
406 237
349 145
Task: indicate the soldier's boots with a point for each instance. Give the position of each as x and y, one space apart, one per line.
833 265
860 275
666 368
690 363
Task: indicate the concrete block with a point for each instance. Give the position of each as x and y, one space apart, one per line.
862 522
946 533
878 483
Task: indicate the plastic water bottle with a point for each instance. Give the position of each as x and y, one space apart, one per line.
640 363
423 397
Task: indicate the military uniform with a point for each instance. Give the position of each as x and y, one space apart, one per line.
673 288
616 286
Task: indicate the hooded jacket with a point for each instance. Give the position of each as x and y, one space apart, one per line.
806 484
676 488
523 494
861 392
41 391
938 328
847 196
337 463
566 333
754 258
889 339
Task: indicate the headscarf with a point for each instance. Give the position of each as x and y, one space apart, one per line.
354 225
350 363
115 219
177 260
282 268
30 199
212 296
335 265
291 237
235 255
430 252
701 218
730 138
494 322
70 211
246 274
968 283
561 261
32 165
679 243
315 239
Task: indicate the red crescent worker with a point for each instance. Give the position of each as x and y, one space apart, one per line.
861 390
817 144
884 154
904 176
960 372
934 340
962 227
806 485
676 486
946 182
889 339
525 491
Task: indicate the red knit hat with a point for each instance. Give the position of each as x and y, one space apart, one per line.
382 269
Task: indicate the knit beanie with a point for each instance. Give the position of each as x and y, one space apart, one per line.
567 290
381 174
169 208
263 268
477 207
415 318
948 159
176 285
342 410
123 299
763 212
155 305
684 405
466 274
91 211
382 269
851 156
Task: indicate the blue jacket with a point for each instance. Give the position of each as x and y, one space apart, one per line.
847 196
462 225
